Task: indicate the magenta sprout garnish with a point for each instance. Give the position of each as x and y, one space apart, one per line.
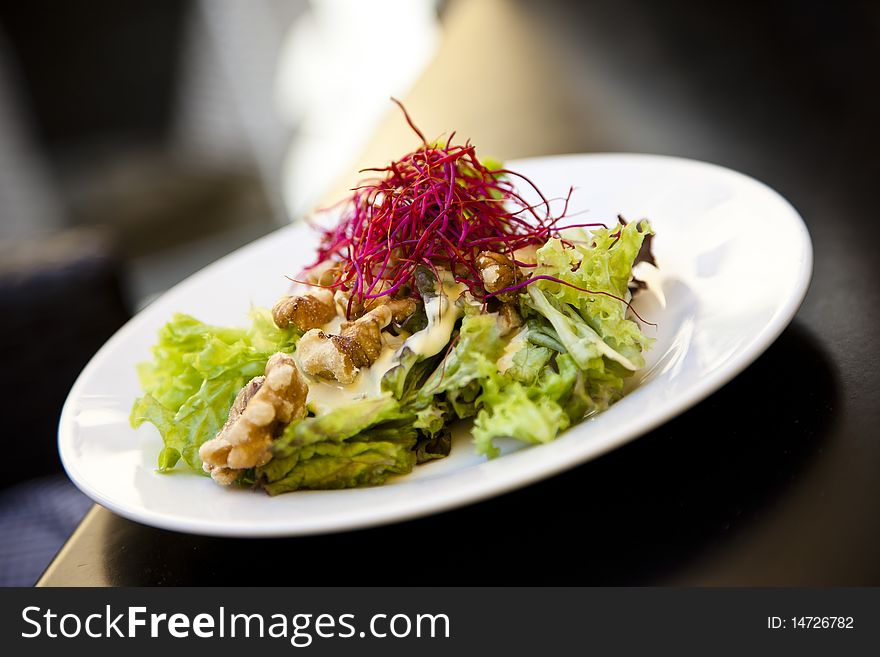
438 206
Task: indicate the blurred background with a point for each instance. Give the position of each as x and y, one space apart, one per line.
141 140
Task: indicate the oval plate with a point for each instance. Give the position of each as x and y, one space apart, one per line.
735 261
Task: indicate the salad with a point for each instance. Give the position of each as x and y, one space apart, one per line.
441 294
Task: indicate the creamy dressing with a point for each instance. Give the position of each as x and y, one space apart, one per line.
442 312
334 326
517 342
325 395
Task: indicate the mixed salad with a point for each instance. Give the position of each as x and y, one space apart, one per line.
442 294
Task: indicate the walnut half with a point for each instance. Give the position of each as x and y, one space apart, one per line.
340 357
498 272
509 319
305 311
260 411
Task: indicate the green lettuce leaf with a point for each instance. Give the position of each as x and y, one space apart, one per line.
338 425
432 419
434 447
360 445
478 347
580 346
329 465
510 409
580 340
604 264
528 363
405 379
196 372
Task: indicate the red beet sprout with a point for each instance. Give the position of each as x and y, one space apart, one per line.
438 206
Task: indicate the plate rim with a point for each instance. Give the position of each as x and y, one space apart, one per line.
503 481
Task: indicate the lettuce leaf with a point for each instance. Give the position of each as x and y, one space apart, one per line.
405 379
360 445
534 411
472 359
528 363
338 425
579 347
434 447
196 372
603 265
328 465
580 340
432 419
517 411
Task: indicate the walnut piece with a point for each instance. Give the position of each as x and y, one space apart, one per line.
342 298
325 274
305 311
509 319
340 357
260 411
400 309
498 272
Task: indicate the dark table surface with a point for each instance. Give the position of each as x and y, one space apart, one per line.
771 481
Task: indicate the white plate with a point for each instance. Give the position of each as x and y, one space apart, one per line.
735 261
